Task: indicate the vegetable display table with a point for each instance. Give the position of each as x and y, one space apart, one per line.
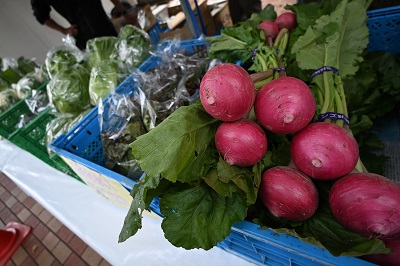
97 221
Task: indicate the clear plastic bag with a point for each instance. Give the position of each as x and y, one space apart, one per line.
133 47
60 125
63 56
29 83
104 78
68 91
37 103
100 49
12 70
174 82
121 120
8 98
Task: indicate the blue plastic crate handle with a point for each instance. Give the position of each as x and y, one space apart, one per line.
192 19
203 27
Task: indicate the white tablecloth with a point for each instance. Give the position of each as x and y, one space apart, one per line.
96 220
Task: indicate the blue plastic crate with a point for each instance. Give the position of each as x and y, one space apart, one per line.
154 33
384 29
266 247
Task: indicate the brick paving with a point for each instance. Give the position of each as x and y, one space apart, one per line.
50 242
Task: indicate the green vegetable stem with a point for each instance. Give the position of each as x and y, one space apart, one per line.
270 58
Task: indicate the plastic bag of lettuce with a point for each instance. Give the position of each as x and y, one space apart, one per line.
68 91
63 56
80 79
111 59
131 48
104 78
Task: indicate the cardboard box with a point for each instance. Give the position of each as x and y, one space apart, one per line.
183 32
208 20
148 20
221 15
174 6
161 12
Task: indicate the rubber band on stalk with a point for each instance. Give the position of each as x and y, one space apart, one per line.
253 54
333 116
322 70
279 69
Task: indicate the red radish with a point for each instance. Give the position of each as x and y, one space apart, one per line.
241 142
366 203
270 30
391 259
324 151
284 105
286 20
227 92
288 193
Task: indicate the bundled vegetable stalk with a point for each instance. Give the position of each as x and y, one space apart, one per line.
268 57
219 167
259 51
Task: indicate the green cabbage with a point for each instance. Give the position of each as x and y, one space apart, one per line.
69 90
103 80
133 46
59 60
100 49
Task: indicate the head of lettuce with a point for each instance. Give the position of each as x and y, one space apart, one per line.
69 90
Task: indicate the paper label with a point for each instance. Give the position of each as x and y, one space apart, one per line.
105 186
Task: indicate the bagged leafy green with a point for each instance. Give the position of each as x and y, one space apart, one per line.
69 90
28 83
103 80
37 102
10 75
100 49
173 83
3 84
133 46
26 65
121 122
14 69
60 58
8 98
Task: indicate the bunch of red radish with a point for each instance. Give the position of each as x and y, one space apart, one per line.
286 20
365 203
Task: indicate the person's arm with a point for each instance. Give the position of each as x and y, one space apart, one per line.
41 11
130 16
73 30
